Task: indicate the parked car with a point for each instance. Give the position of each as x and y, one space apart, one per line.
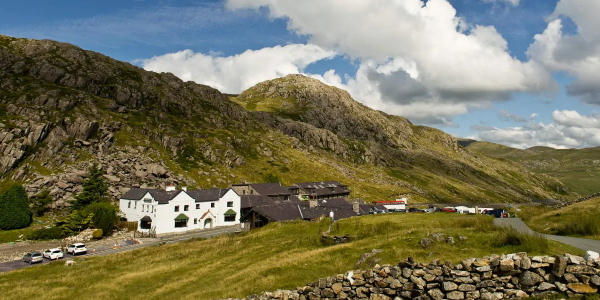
448 209
415 210
77 248
54 253
497 213
33 257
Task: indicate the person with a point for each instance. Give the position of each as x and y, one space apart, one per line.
331 215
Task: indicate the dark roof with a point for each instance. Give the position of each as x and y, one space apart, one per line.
146 219
322 188
163 197
279 212
248 201
318 211
291 210
331 191
269 189
318 184
135 194
207 195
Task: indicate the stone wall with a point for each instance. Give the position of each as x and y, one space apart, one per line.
490 278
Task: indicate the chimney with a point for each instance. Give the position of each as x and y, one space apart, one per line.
313 203
356 207
171 187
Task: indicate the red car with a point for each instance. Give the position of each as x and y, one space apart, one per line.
451 210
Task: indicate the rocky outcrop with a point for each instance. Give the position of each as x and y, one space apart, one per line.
486 278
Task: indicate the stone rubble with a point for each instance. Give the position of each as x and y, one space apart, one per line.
490 278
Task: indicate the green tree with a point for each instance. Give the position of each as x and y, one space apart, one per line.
14 208
104 216
95 189
75 223
39 203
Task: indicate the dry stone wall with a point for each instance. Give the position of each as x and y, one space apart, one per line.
489 278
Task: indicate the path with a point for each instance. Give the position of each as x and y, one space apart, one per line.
583 244
129 245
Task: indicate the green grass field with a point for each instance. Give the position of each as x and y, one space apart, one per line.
580 220
278 256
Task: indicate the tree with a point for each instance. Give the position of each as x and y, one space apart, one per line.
104 216
39 203
95 189
75 223
14 208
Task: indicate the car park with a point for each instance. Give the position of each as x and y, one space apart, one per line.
77 248
415 210
33 257
497 213
448 209
54 253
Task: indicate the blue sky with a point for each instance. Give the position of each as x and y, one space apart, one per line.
218 34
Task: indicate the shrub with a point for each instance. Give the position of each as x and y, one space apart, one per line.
479 223
509 236
39 203
97 234
104 216
95 189
585 226
14 209
53 233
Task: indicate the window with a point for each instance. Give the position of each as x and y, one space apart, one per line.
230 204
230 218
135 205
243 192
186 207
177 208
128 204
195 221
180 223
212 205
198 206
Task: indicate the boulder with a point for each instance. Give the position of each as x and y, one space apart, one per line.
525 263
530 279
545 286
426 243
492 296
449 286
560 266
450 240
591 256
581 288
575 260
507 265
455 295
436 294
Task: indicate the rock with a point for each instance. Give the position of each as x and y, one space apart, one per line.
462 238
466 287
418 281
406 272
491 296
336 287
581 288
561 286
574 259
436 294
418 272
473 295
438 236
595 280
426 243
507 265
530 279
591 255
525 263
455 295
460 273
449 286
141 174
545 286
481 262
112 178
483 269
581 269
450 240
327 293
571 278
560 265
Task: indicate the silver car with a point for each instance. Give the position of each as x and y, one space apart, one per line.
33 257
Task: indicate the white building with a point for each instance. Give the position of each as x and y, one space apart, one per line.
166 211
465 209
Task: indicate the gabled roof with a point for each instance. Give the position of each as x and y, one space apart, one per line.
207 195
271 189
230 212
248 201
278 212
163 197
319 184
318 211
182 217
146 219
135 194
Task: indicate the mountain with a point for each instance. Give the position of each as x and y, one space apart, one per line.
578 169
62 108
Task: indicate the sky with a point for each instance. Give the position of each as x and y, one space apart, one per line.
517 72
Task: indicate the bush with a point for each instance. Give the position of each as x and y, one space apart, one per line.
39 203
53 233
14 208
104 216
97 234
585 226
526 242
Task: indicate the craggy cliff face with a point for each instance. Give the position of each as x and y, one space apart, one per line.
62 107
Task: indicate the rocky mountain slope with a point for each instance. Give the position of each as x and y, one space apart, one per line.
62 107
578 169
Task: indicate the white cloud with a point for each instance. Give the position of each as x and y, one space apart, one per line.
414 56
578 54
568 130
233 74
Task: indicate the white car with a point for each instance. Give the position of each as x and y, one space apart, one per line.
53 254
77 248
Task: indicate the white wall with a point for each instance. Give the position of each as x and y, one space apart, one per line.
230 196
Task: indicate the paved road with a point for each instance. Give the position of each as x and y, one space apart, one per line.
583 244
129 245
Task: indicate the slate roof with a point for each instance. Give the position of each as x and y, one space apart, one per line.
271 189
322 188
248 201
279 212
207 195
135 194
163 197
318 184
291 210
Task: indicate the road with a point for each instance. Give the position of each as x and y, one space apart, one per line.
583 244
129 245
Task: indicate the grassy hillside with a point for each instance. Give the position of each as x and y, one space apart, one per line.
276 256
578 169
580 219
